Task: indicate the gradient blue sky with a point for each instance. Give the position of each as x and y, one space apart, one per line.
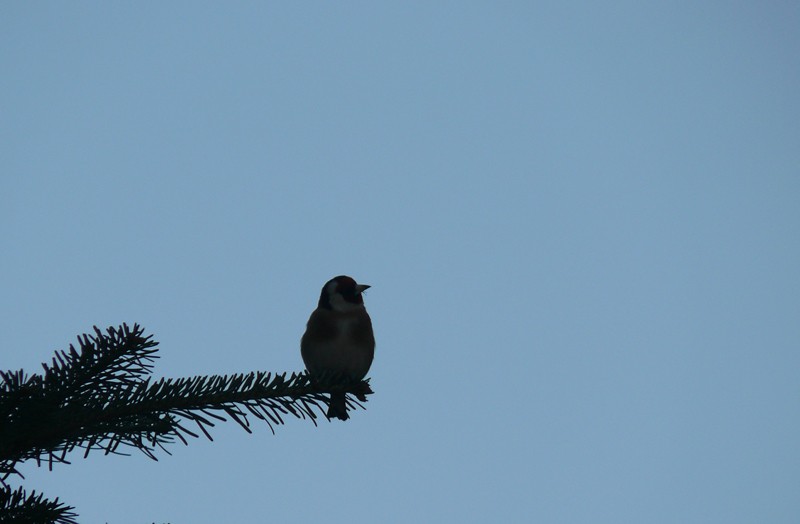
580 221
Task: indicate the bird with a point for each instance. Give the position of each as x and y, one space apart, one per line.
338 340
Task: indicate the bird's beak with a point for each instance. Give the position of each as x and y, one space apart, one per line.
360 288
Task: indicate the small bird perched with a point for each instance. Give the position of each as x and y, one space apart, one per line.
338 338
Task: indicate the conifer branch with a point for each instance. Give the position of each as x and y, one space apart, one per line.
17 506
100 397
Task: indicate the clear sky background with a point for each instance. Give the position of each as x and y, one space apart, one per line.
581 222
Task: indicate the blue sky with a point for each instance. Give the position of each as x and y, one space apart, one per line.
580 222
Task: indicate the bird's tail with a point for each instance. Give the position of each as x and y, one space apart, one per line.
337 407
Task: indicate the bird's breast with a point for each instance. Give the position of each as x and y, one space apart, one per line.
347 347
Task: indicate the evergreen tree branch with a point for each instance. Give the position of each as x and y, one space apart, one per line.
100 398
16 507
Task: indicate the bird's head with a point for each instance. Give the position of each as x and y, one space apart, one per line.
342 293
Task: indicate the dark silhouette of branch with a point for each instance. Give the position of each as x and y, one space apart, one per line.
16 507
100 397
